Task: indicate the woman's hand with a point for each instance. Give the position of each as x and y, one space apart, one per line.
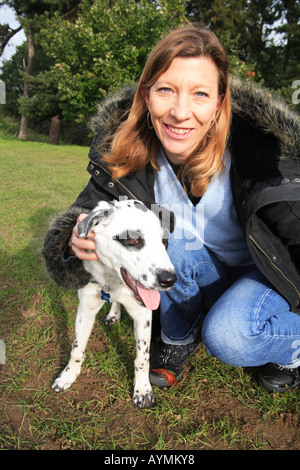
83 248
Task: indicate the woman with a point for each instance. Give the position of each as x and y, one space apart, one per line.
233 182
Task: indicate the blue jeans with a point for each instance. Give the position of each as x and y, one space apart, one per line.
248 323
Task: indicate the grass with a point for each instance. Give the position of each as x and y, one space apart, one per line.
215 406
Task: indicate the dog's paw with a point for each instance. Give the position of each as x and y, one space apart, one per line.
59 386
110 320
114 314
145 400
64 380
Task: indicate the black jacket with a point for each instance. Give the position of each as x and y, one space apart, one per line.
265 178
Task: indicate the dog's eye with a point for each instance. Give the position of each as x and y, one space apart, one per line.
130 239
134 241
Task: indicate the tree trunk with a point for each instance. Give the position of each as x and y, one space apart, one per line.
54 130
28 70
23 128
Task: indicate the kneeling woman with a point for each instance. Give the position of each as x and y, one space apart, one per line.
225 159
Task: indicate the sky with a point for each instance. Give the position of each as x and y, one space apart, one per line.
8 16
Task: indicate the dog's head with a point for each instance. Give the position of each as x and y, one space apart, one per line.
132 240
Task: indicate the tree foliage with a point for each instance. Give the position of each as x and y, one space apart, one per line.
104 48
262 38
92 47
32 15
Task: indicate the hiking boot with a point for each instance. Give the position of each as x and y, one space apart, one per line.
168 363
276 378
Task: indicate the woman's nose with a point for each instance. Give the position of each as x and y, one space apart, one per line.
181 109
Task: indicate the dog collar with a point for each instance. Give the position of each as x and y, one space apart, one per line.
105 296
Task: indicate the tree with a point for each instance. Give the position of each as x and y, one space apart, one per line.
230 29
32 14
104 48
28 69
218 16
11 76
262 38
260 20
42 104
6 33
92 50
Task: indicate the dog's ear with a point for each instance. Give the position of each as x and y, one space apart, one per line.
103 209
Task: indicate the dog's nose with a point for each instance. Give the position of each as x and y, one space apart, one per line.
166 278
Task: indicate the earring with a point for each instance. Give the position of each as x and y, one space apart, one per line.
149 123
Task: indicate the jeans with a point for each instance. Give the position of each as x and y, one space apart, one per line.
247 322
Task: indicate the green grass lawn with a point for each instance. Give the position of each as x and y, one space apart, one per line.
215 406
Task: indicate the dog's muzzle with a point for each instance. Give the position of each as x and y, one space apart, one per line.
150 298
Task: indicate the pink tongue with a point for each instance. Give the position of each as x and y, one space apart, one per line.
151 298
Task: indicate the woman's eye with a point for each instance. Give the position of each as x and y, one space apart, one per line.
201 94
165 90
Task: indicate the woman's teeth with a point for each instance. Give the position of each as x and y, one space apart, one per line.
178 131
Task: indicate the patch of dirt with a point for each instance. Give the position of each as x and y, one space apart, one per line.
94 399
34 308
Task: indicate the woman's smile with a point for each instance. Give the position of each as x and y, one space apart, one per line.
178 132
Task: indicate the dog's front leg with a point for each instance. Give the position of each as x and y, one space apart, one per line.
89 304
143 395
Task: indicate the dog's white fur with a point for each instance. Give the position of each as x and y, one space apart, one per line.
116 226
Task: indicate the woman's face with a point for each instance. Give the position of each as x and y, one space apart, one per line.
182 103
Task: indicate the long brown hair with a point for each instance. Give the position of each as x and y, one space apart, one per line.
135 144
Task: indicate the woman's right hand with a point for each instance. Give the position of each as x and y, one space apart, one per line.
83 248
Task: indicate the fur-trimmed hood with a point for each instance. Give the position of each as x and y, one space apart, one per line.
272 115
110 113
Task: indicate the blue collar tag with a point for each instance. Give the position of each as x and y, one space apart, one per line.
105 296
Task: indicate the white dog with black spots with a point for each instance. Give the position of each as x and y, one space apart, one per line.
132 268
